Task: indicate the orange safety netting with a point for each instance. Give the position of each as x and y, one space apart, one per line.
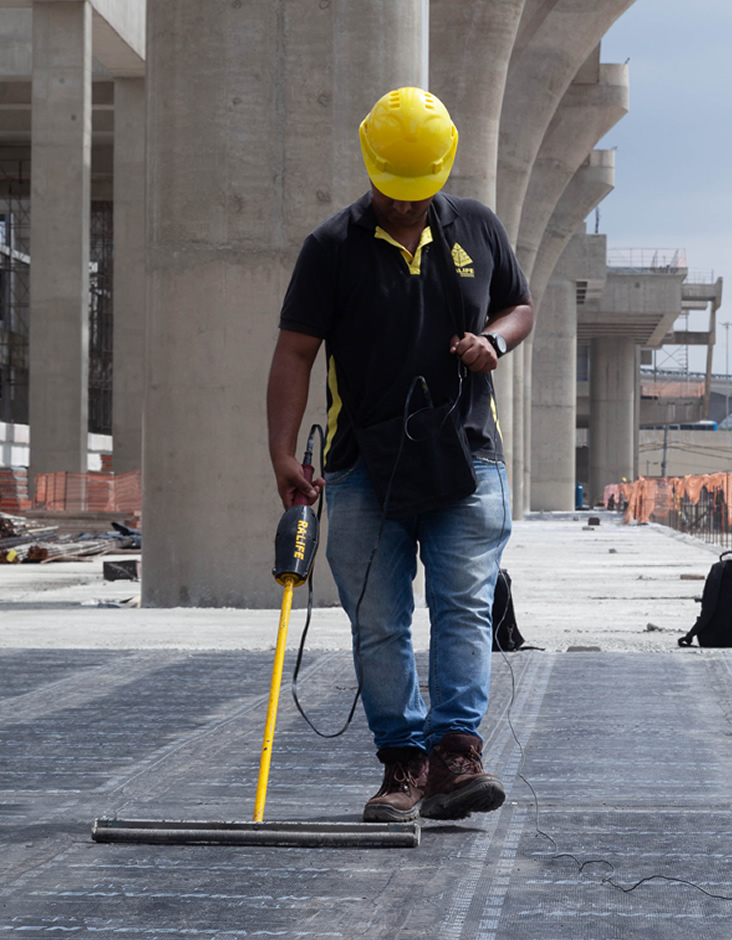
89 492
650 497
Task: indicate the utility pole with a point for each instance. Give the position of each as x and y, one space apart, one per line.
664 459
726 369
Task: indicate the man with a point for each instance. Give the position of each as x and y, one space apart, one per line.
368 282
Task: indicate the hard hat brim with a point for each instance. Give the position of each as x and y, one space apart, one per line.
406 188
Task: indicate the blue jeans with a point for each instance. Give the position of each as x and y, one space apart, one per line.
460 547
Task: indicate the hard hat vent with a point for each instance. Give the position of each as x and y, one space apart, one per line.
408 143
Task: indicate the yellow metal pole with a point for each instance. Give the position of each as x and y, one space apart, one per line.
274 695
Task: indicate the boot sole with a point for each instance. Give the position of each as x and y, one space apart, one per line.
480 796
385 813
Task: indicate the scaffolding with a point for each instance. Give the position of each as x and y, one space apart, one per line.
101 324
15 301
14 289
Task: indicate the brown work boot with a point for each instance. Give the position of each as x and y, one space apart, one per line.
457 785
405 774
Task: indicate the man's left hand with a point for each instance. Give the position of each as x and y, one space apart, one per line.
476 352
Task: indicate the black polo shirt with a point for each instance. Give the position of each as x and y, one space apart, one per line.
385 316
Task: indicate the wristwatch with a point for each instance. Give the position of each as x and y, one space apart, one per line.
497 342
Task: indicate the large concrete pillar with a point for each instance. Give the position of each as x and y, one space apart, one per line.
237 174
129 272
595 100
612 412
60 203
553 41
554 375
554 371
480 36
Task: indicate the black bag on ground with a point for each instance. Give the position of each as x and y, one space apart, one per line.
506 634
713 626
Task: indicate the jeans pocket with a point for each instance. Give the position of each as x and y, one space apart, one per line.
339 476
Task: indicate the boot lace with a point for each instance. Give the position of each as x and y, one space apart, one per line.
397 777
463 762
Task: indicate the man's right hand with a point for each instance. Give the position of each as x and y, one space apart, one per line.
291 480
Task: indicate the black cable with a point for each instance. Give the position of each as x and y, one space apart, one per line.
581 865
317 429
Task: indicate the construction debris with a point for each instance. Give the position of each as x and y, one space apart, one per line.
22 541
126 569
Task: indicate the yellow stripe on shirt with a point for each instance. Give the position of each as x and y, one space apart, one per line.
414 261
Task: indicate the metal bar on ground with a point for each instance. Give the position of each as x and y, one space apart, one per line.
302 834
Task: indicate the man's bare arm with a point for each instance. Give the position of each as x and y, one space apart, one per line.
287 396
514 324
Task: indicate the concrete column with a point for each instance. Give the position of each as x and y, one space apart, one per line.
237 174
590 183
518 433
479 36
60 202
528 355
612 412
554 373
553 41
129 272
375 46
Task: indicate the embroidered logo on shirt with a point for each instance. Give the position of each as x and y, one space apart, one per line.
462 259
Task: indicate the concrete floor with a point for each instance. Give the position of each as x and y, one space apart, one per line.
616 759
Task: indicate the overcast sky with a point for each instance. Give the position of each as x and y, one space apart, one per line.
673 165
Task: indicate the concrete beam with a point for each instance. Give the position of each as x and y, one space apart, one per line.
588 187
16 39
538 77
118 36
640 306
686 338
587 111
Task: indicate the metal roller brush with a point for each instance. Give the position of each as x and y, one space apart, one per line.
296 544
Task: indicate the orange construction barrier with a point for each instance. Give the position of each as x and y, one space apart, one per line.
658 498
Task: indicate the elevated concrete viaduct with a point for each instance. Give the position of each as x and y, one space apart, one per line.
222 133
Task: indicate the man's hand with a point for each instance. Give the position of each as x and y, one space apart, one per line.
476 352
291 481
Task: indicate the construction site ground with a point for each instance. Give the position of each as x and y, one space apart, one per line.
613 743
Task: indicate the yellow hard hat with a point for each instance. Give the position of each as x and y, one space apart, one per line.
408 143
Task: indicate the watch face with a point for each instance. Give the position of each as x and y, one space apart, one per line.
498 343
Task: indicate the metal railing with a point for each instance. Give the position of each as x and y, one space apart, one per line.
647 259
707 519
